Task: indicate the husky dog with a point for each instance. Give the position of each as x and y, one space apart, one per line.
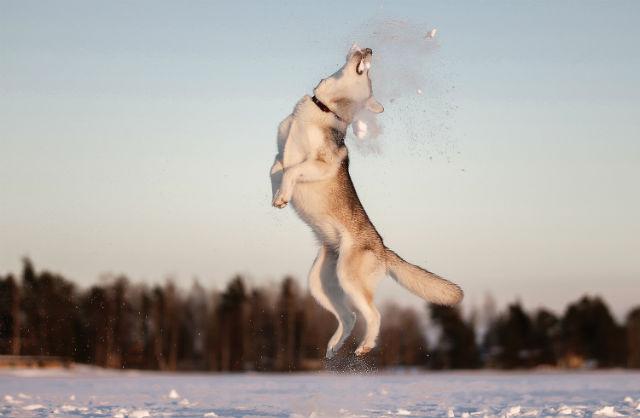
311 170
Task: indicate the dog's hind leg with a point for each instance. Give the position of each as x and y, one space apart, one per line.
359 272
324 287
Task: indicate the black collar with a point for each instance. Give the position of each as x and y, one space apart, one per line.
325 108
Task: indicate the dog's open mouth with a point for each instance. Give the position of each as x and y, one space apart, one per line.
365 60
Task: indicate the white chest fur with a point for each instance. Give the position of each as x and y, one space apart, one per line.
303 142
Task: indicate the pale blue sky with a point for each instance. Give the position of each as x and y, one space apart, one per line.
136 137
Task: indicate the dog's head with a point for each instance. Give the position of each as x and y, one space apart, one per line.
348 90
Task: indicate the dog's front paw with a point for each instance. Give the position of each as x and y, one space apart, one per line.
279 201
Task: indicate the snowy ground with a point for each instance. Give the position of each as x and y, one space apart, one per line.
90 392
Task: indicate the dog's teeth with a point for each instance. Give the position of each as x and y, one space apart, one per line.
367 65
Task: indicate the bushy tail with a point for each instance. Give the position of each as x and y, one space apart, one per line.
421 282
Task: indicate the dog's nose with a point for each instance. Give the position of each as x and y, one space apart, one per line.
368 51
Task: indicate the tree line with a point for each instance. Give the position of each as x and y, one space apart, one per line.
279 327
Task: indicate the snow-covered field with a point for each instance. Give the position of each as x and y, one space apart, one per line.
91 392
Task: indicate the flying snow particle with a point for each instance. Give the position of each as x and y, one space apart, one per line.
431 34
419 91
140 413
173 394
403 412
359 128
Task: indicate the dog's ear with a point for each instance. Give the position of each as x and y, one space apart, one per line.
373 105
353 49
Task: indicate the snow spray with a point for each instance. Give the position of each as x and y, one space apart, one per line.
410 80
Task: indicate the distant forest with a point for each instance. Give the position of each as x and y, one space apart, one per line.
119 324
